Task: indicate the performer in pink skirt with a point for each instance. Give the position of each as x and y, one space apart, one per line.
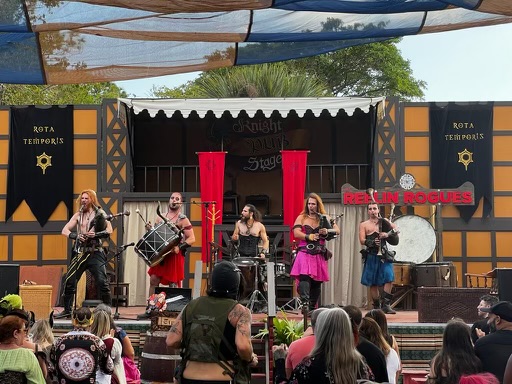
310 266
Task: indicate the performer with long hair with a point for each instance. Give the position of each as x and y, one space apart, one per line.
87 227
310 265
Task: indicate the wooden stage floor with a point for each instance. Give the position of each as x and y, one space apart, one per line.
130 314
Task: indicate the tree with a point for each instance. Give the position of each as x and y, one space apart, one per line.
94 93
264 80
370 70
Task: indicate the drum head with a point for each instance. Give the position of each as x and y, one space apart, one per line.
417 239
245 261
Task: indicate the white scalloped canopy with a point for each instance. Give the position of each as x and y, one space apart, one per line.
266 105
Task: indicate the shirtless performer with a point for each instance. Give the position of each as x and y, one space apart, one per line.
377 271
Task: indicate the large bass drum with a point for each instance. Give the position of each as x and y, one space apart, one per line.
157 243
417 239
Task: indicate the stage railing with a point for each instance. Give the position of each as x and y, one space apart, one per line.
320 178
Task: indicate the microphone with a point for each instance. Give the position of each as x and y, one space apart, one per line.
125 213
124 246
82 208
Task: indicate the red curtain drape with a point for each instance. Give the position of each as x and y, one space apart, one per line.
211 174
294 185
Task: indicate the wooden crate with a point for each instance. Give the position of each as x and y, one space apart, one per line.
38 299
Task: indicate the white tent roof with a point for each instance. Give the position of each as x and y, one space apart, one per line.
251 106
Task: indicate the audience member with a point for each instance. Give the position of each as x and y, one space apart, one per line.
78 354
131 371
299 349
479 378
456 357
333 358
380 317
480 328
507 378
371 331
101 327
17 364
29 321
495 348
41 335
208 355
373 355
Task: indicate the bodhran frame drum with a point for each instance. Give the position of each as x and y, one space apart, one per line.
157 243
417 240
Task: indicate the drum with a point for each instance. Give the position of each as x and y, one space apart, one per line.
417 239
157 243
249 268
280 269
403 272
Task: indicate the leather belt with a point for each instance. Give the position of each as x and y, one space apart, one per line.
312 249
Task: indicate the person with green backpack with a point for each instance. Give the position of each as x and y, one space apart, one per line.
214 333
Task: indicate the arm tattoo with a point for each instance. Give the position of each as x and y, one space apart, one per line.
244 322
174 329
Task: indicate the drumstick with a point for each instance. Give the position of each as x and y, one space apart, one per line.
145 222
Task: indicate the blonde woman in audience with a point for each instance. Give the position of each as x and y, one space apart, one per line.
120 333
102 328
17 364
334 358
41 334
372 332
131 370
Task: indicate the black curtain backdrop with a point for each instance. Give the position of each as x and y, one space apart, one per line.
40 160
461 150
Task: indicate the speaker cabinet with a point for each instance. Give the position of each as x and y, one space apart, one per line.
9 279
504 283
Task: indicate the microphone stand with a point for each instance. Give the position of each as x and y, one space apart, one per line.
209 266
117 256
118 264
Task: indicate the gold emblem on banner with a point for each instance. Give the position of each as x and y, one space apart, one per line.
44 161
465 157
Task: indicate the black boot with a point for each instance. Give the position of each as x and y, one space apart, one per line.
386 303
376 303
303 291
315 294
66 313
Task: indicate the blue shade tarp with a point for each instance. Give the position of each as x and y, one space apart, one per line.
66 42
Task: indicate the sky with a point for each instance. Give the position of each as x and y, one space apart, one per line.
465 65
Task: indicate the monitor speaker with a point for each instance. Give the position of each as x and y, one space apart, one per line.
176 298
9 279
504 276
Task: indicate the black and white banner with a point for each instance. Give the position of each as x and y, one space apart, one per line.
461 150
40 160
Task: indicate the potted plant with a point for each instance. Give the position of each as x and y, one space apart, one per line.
285 330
